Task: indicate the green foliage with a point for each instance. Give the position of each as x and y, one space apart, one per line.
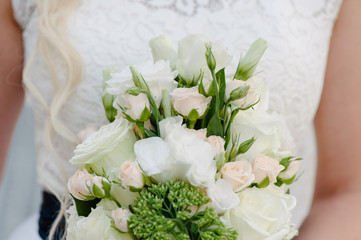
163 212
107 98
84 208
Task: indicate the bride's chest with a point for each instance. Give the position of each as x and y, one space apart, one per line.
115 33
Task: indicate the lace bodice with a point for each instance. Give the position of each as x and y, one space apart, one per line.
115 33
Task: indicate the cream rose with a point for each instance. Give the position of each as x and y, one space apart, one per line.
134 105
238 174
291 170
257 91
121 217
264 166
186 99
131 175
79 185
262 214
217 142
108 148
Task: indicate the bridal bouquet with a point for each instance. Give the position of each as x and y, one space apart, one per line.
191 151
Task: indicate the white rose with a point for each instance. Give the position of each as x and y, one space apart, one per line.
79 184
264 166
131 175
217 142
262 214
163 49
291 170
260 125
186 99
158 76
238 174
121 217
222 196
192 60
108 148
94 227
133 105
84 134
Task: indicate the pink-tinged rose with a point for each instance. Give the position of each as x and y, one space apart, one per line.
238 174
200 133
291 170
121 217
216 142
131 175
251 97
186 99
79 184
84 134
264 166
98 181
135 105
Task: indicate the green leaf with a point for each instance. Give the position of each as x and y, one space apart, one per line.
245 146
107 98
84 208
97 191
264 183
285 162
221 79
107 187
288 181
139 80
215 126
201 89
150 133
166 104
210 112
248 64
193 115
212 90
145 115
134 189
239 92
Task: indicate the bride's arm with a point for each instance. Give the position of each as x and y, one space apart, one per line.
11 91
336 210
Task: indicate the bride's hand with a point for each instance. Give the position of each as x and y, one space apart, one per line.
336 211
11 90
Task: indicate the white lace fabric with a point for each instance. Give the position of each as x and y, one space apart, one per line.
115 34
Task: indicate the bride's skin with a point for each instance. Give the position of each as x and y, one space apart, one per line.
336 211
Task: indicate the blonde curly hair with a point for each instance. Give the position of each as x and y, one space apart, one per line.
52 39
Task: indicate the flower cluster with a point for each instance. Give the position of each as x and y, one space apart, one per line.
191 150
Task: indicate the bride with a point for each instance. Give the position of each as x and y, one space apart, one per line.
68 43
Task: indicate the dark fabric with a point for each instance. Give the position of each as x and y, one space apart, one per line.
48 212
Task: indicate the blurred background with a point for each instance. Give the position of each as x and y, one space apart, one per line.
19 191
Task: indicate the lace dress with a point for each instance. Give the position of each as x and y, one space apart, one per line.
115 33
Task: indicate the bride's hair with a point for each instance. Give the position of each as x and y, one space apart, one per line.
52 40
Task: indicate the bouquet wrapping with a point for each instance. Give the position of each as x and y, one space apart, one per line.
191 151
